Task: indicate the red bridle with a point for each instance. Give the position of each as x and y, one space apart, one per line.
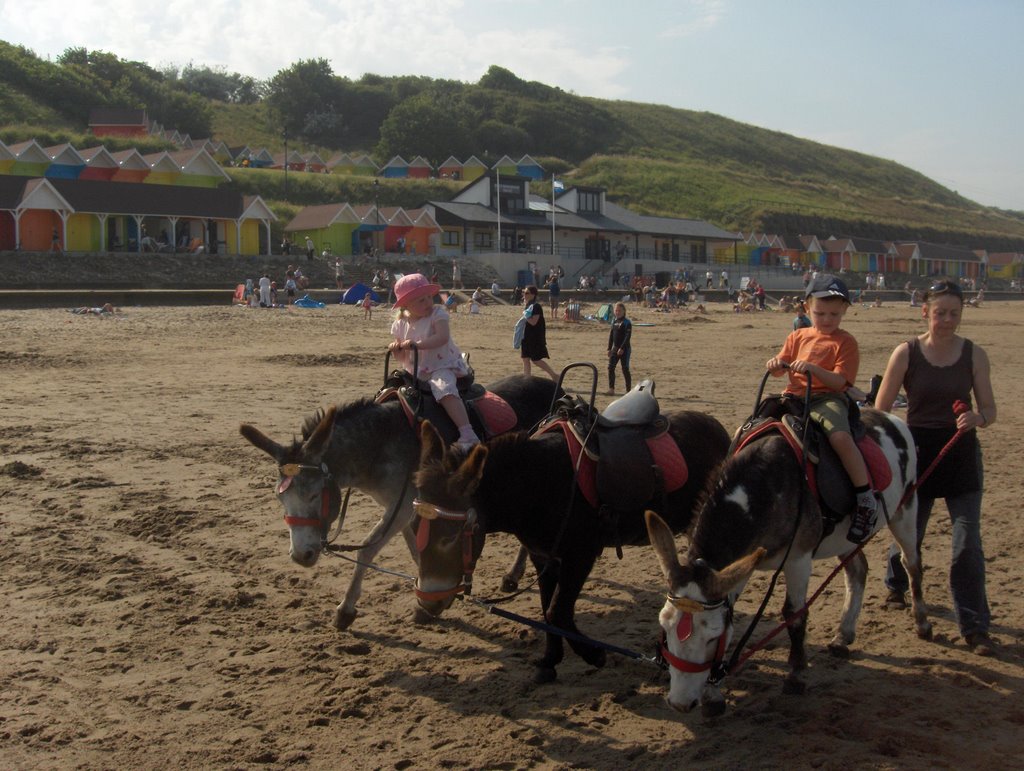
288 472
428 512
683 631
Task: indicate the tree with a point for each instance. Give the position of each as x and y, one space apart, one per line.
423 126
306 88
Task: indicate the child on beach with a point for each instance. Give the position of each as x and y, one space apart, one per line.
619 347
830 356
367 304
422 325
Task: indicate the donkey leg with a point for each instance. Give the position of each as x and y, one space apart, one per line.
510 581
854 576
378 538
553 651
904 531
562 609
798 571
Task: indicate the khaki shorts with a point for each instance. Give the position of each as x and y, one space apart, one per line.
831 412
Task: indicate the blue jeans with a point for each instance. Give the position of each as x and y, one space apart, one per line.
967 568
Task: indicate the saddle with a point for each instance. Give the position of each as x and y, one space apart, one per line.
624 457
489 414
826 477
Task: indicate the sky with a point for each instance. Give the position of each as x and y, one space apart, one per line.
935 85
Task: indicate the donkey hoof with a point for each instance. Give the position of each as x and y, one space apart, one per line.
712 708
509 584
839 649
924 631
420 616
596 658
793 686
543 675
343 619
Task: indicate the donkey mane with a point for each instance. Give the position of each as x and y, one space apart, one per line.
751 469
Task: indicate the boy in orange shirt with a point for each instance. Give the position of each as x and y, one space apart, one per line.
831 357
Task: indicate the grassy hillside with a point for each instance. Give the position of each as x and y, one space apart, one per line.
652 158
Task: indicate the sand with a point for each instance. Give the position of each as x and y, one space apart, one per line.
151 617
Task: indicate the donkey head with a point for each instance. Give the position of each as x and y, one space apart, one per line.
447 531
310 497
696 619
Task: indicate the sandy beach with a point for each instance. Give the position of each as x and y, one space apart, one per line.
152 618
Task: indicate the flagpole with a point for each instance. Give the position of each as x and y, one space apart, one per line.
497 189
552 214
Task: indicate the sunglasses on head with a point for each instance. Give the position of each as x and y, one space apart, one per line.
946 287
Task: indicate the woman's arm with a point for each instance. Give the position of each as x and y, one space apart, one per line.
985 410
895 371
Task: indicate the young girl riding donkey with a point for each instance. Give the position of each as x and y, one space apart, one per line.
830 356
423 325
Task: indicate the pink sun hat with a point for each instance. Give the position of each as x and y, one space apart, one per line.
412 287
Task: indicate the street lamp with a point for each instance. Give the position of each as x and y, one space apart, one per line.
376 213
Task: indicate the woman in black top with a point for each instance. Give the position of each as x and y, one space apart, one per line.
938 369
535 347
619 347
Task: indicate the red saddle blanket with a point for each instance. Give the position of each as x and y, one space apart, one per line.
664 451
879 470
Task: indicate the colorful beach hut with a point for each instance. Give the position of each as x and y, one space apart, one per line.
162 169
364 166
340 163
505 165
396 168
99 163
118 122
6 159
529 168
314 163
420 168
331 225
450 169
198 168
132 167
30 160
473 169
65 162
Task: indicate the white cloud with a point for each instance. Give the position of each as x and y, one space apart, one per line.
698 17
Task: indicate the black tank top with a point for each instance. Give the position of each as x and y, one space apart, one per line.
931 392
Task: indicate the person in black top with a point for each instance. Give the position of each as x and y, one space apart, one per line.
938 369
534 347
619 347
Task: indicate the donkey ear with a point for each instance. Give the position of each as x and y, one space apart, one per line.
262 441
314 445
431 443
468 476
664 544
735 575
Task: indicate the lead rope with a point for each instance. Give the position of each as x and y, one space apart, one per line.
721 669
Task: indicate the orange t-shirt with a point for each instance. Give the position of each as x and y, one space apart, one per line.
836 352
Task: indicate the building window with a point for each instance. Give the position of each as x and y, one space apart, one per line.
589 202
450 238
482 239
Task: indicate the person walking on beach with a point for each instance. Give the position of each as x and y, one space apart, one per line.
619 347
938 369
534 347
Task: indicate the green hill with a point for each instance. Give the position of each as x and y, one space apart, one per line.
652 158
